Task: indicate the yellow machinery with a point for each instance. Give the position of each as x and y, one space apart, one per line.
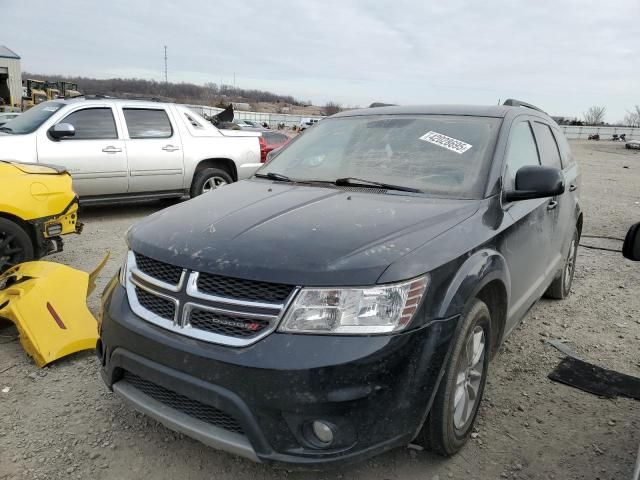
37 206
52 90
34 92
69 89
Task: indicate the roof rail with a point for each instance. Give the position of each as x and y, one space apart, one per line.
512 102
111 97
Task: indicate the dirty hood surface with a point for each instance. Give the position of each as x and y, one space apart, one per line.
295 234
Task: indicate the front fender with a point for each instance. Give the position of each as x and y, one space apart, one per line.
481 268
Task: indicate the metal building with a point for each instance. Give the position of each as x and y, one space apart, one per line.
10 79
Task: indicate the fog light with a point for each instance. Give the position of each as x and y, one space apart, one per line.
322 431
54 229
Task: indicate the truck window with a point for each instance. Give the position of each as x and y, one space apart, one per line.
147 123
549 153
92 124
522 151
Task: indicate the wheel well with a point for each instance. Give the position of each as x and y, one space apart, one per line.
25 225
494 295
222 163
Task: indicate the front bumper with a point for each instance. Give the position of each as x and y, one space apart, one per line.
257 401
50 229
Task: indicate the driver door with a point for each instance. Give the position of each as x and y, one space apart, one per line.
95 156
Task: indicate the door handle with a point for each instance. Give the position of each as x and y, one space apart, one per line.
170 148
573 188
111 149
552 205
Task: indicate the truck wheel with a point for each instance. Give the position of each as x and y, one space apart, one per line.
15 245
209 179
561 286
455 406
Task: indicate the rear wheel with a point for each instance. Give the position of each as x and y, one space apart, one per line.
15 245
561 286
209 179
456 404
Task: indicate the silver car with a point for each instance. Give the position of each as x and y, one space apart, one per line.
117 149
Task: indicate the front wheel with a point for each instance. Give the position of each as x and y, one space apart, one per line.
456 404
15 245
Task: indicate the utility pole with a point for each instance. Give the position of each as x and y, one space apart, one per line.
166 80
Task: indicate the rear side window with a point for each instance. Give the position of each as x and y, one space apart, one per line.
522 152
565 151
549 153
92 124
147 123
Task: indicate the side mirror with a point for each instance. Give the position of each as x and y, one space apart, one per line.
536 181
631 245
62 130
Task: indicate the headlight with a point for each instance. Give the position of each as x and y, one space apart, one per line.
124 269
378 309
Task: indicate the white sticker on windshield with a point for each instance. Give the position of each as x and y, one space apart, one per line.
50 109
443 141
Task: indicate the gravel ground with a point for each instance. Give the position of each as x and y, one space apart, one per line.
61 422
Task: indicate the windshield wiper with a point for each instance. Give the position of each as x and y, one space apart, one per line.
371 183
5 129
278 177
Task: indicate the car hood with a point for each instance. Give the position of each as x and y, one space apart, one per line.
295 234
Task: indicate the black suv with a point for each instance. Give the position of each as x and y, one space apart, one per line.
348 298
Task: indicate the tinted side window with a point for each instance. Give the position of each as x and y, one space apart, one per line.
565 150
522 151
92 124
549 153
147 123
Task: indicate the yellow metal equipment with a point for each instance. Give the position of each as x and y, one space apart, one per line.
48 304
35 93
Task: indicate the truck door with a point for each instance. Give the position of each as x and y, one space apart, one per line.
526 243
95 156
154 150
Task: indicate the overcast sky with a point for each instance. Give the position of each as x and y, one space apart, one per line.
561 55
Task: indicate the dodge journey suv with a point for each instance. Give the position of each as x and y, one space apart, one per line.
348 298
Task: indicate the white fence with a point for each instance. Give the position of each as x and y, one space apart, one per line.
582 133
272 119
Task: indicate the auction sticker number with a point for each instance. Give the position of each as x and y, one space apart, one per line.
443 141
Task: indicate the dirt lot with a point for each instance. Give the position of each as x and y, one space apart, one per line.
61 422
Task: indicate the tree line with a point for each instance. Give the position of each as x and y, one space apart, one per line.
208 94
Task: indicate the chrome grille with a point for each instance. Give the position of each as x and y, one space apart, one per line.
179 402
162 271
160 306
243 289
212 308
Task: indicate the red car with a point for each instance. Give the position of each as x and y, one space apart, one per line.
270 141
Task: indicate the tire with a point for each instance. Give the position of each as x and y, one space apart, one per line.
449 424
561 286
15 244
209 179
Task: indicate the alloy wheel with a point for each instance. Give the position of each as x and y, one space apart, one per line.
469 378
570 266
213 183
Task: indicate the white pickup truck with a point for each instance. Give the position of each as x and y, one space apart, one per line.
117 149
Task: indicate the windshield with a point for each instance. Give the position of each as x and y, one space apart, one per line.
30 120
439 155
